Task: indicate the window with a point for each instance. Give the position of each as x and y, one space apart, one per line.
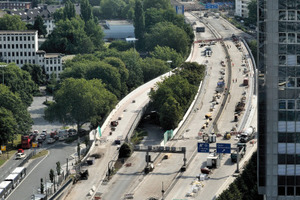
32 38
59 68
291 37
51 62
17 53
281 191
282 15
282 104
17 38
8 53
17 46
8 38
51 69
8 46
13 53
282 60
282 37
24 46
28 38
291 104
291 15
21 46
25 53
20 38
290 191
24 38
12 46
33 46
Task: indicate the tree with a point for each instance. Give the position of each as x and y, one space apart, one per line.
125 151
8 125
35 3
153 68
58 168
139 23
69 37
39 26
95 33
14 115
69 10
20 81
36 73
58 14
112 9
167 53
12 22
252 15
51 175
120 45
163 34
192 72
42 186
86 10
159 4
79 101
170 114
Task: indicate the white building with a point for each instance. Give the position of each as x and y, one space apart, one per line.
241 8
21 47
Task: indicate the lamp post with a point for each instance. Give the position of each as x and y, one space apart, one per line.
169 62
3 73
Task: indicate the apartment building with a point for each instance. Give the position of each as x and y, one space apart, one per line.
279 99
241 8
21 47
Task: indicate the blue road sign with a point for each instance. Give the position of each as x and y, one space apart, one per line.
203 147
211 6
223 148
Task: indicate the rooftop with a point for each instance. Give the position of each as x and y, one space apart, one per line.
17 32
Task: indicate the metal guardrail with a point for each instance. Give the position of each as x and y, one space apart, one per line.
59 192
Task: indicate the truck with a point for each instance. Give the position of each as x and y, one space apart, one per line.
241 147
247 135
213 161
25 142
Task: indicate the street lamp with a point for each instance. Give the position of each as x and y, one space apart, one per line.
3 73
169 62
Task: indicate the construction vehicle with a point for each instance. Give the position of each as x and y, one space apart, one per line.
213 161
241 147
247 135
208 116
227 136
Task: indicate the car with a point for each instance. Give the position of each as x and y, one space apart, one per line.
43 136
44 132
51 140
72 131
61 138
114 123
20 155
36 132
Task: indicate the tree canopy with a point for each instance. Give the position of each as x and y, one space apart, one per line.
79 101
252 16
36 73
14 117
19 81
12 22
139 23
167 54
162 34
39 26
69 37
175 94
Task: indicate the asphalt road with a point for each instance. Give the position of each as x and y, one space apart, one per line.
58 151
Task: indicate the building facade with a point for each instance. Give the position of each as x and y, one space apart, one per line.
117 29
14 5
21 47
279 99
241 8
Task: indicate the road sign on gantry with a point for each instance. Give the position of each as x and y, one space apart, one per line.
211 6
223 148
203 147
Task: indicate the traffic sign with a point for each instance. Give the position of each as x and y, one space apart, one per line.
223 148
211 6
3 148
203 147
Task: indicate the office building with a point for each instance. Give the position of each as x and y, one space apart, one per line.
279 99
21 47
241 8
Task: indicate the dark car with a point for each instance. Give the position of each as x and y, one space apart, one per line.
72 131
